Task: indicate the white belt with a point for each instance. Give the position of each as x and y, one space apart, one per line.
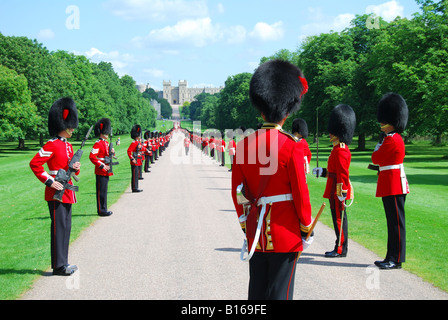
53 172
392 167
262 202
402 174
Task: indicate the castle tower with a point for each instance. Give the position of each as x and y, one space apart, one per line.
183 92
167 94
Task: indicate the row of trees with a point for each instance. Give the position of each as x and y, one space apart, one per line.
32 78
356 67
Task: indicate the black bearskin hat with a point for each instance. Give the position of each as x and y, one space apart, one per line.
63 115
342 123
276 89
103 126
147 135
136 131
393 110
301 127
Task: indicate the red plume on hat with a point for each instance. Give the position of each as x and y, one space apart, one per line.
103 126
63 115
136 131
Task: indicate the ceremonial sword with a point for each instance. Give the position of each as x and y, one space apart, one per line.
313 226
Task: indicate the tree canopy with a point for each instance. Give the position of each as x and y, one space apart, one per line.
32 78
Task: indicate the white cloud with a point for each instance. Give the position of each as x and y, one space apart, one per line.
159 10
322 23
45 34
202 32
198 33
156 73
388 10
120 61
265 32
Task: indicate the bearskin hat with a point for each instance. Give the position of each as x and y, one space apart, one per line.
147 135
342 123
276 89
103 126
393 110
301 127
136 132
63 115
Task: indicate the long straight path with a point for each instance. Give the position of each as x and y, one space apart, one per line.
180 240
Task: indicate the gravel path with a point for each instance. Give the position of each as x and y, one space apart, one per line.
180 240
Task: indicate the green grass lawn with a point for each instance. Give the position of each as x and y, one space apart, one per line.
426 207
24 217
25 221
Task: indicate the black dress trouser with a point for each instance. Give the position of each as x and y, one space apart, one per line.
396 227
61 226
102 183
272 276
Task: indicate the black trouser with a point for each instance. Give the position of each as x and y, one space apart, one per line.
61 226
272 276
396 227
147 161
102 183
223 158
337 210
134 178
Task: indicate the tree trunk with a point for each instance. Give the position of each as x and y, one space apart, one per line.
362 141
21 144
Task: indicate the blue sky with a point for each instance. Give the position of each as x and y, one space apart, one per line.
202 41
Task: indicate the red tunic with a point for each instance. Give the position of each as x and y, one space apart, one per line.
148 147
97 156
134 149
57 154
284 162
391 179
338 171
232 147
306 153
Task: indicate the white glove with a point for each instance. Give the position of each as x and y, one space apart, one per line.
342 199
307 243
318 172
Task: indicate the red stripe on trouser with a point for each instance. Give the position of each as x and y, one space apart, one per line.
340 210
291 277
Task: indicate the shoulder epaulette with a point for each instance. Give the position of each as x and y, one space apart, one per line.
291 136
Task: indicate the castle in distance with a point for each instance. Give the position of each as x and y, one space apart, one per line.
180 94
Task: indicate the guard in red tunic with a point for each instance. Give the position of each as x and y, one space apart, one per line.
341 127
101 159
392 184
187 143
300 131
231 148
134 154
268 170
57 154
222 149
147 145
